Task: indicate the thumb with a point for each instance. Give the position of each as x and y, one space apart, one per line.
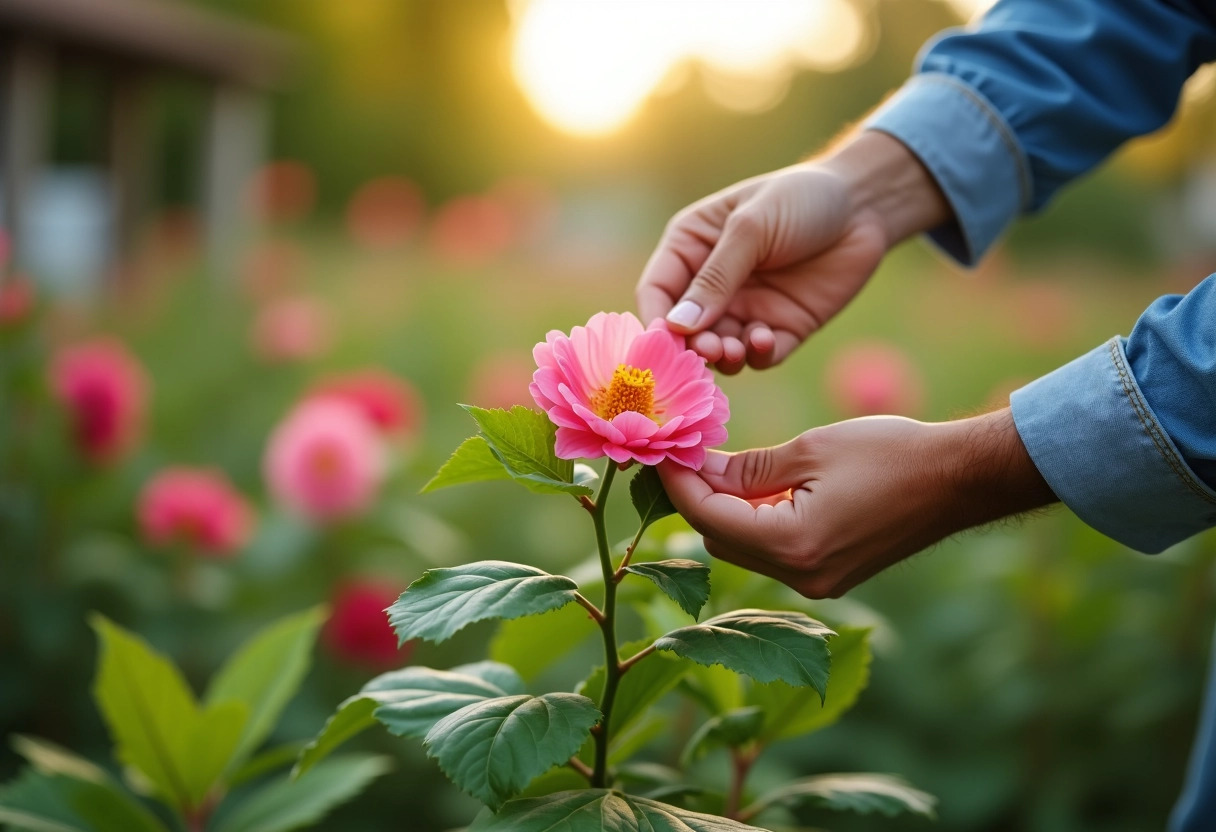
757 473
732 260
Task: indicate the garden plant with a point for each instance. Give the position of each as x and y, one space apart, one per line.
576 760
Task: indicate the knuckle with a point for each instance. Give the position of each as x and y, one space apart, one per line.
757 468
746 222
713 280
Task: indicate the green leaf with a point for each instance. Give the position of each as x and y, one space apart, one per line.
473 461
789 712
155 722
729 730
864 793
264 674
409 702
585 475
522 439
272 759
685 581
600 810
443 601
648 496
493 749
641 686
42 802
50 759
287 804
765 645
534 643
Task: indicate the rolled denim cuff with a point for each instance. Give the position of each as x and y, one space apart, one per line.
969 149
1095 439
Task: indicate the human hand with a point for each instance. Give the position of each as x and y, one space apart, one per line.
836 505
752 271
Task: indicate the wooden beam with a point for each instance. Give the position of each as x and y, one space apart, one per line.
235 147
130 156
27 76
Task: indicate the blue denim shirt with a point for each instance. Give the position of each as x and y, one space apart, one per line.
1004 113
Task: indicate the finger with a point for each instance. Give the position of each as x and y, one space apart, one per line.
685 244
760 472
707 344
759 341
752 563
734 356
734 257
712 514
784 343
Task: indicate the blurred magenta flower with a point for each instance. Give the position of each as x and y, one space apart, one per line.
292 329
501 381
195 506
17 300
390 402
282 191
472 230
358 631
325 460
616 389
872 377
385 213
104 389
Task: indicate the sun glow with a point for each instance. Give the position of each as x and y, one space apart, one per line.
588 66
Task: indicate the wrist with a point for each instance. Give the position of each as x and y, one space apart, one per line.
885 178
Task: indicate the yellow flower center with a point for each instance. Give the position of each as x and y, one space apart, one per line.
630 389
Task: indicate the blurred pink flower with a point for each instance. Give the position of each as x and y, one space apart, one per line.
282 191
390 402
325 460
271 268
358 631
16 300
384 213
501 381
869 378
196 506
472 230
616 389
104 388
292 329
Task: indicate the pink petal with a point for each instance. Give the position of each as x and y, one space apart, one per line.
578 444
616 453
604 344
634 425
692 458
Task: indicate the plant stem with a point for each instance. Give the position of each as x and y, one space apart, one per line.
581 767
636 657
612 663
741 764
620 570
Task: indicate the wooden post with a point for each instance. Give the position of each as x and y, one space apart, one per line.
27 75
130 154
235 147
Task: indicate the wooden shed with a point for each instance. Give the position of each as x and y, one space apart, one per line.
135 42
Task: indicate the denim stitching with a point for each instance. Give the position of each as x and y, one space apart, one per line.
1150 425
1002 129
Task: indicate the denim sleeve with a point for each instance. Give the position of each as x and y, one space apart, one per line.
1126 434
1037 93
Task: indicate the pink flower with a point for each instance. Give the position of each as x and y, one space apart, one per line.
616 389
870 378
388 401
292 329
196 506
325 460
358 631
104 389
16 300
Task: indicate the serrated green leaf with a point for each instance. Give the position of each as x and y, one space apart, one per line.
534 643
157 726
287 804
865 793
264 674
522 439
684 581
765 645
729 730
443 601
493 749
41 802
649 497
600 810
472 461
410 701
789 712
641 686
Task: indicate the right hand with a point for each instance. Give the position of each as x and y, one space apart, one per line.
750 272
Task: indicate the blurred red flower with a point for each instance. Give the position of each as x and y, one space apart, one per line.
195 506
104 388
282 191
871 378
358 631
390 402
325 460
472 230
292 329
271 268
16 300
384 213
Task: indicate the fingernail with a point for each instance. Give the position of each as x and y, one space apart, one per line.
715 464
686 313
